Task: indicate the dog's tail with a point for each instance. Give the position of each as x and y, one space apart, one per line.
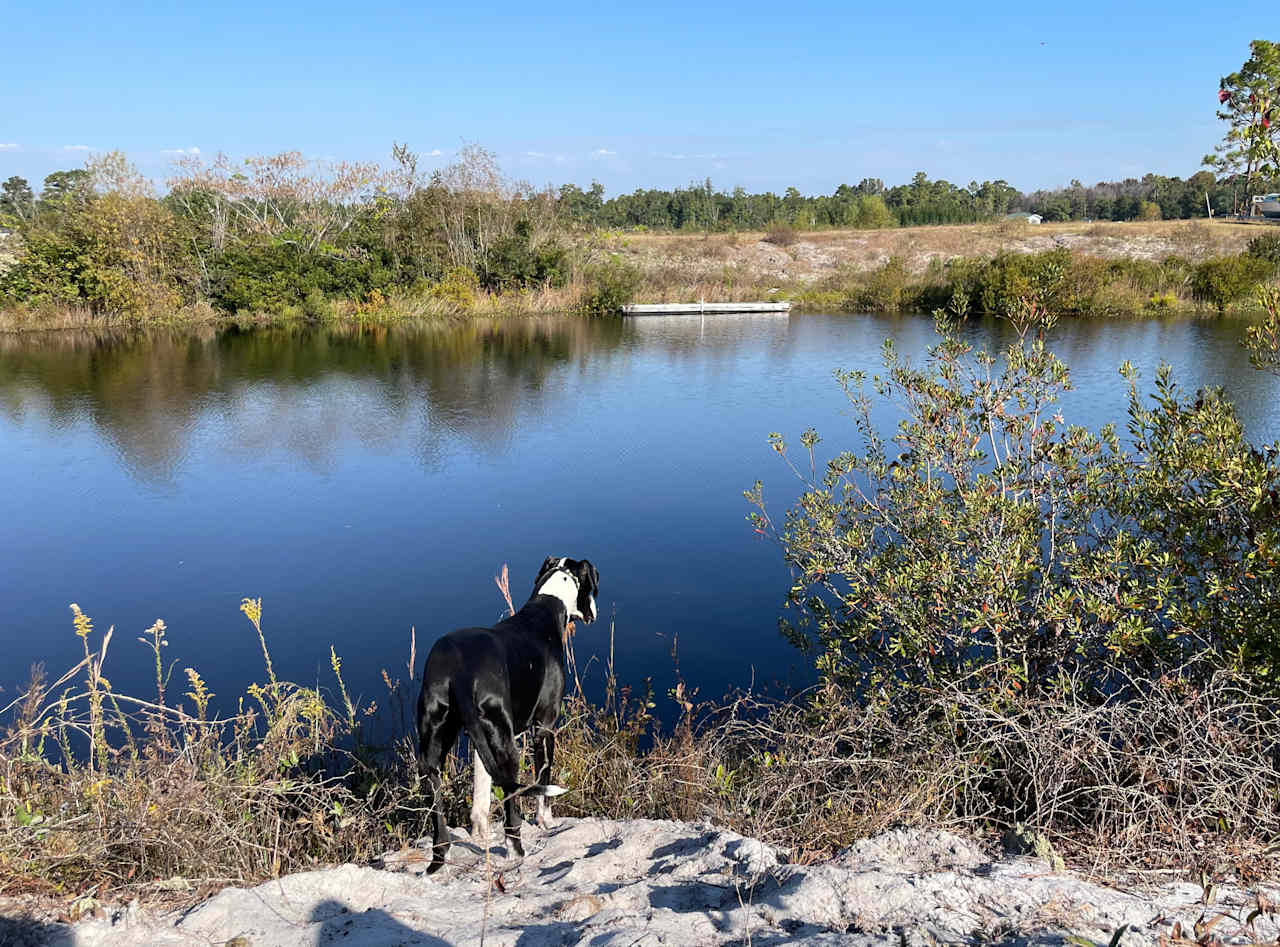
550 790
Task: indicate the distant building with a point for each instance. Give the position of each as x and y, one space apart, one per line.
1265 205
1024 217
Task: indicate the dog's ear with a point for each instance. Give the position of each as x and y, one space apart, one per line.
588 585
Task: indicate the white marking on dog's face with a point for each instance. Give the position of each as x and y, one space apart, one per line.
563 586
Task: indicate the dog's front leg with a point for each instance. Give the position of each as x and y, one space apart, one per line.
481 798
544 757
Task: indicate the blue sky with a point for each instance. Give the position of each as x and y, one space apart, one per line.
761 95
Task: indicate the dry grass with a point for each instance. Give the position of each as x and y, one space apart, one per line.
104 795
106 792
818 255
382 310
1178 779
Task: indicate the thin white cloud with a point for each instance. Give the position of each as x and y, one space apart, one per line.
603 153
9 146
193 150
76 148
553 157
434 153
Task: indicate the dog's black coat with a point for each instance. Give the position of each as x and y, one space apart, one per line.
497 682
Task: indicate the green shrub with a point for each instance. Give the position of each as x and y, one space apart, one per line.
1175 272
1146 276
272 275
515 262
1009 277
1265 247
1114 299
873 213
992 547
1224 280
1263 340
113 253
458 288
316 308
885 289
610 286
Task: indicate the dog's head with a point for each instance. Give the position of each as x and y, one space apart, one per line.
583 575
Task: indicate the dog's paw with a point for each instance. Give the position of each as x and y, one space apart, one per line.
480 828
543 819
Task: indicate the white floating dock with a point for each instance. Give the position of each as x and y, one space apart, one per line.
701 308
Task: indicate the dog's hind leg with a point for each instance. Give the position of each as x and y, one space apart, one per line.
438 725
544 757
495 741
481 797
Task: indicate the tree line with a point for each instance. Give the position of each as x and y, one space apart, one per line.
268 233
870 204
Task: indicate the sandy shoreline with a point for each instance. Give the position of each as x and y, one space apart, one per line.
593 881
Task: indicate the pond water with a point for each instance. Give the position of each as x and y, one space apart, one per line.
363 483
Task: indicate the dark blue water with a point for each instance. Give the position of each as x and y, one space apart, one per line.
364 483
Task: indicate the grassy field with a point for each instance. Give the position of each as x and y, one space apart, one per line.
814 256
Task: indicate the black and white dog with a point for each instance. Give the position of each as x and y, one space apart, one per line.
497 682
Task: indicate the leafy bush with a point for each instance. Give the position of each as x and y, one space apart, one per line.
514 262
272 275
991 546
1148 210
115 253
316 308
458 288
1224 280
885 289
1265 247
873 213
1263 340
1007 278
610 286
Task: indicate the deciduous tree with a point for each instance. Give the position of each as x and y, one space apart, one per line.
16 199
